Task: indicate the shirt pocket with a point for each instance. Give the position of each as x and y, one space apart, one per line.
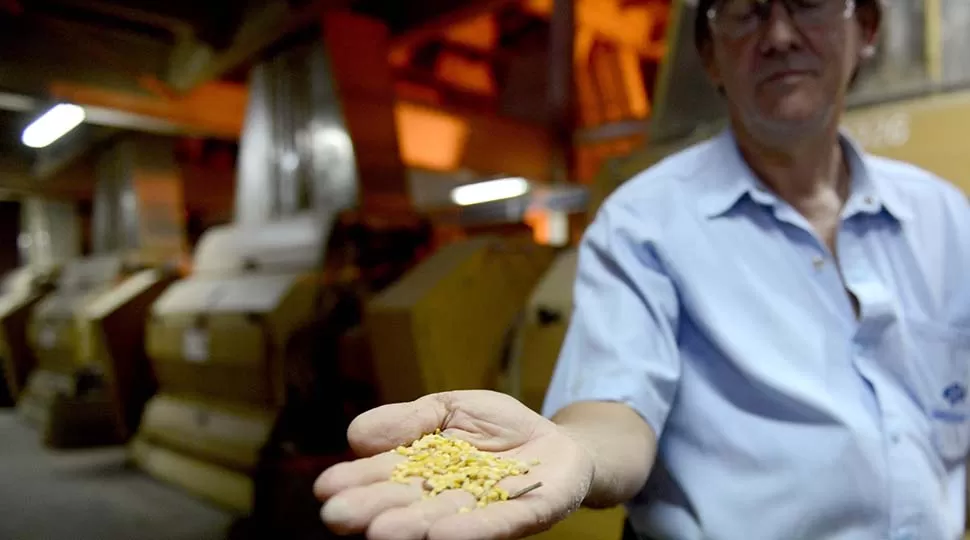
942 373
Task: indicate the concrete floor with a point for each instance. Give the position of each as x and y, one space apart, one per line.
90 495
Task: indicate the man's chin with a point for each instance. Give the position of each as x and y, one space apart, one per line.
785 126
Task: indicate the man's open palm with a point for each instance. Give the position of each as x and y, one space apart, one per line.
359 497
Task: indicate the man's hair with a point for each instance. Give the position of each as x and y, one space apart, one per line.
702 32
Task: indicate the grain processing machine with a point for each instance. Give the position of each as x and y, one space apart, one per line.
20 291
91 379
113 359
540 333
233 349
445 324
452 322
53 333
536 342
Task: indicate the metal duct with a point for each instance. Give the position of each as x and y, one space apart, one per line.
50 233
138 200
108 234
294 146
320 127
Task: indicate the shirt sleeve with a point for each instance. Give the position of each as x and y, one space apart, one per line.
621 344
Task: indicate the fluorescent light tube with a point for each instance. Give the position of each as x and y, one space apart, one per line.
488 191
53 125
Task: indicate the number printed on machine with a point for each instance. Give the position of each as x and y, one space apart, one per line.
195 345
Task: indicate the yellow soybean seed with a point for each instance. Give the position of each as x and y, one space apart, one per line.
445 463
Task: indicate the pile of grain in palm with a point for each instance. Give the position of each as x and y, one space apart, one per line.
446 463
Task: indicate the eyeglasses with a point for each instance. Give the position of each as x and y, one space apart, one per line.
737 18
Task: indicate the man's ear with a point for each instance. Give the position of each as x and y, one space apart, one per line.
710 64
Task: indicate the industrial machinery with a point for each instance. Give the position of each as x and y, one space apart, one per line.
487 312
536 342
91 379
445 325
53 333
925 130
235 348
539 334
113 360
20 291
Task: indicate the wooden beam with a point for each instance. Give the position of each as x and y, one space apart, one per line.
125 11
430 138
260 29
38 49
632 26
214 110
197 63
428 19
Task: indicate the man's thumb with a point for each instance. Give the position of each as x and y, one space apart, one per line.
390 426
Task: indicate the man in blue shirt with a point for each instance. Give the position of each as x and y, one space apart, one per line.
771 336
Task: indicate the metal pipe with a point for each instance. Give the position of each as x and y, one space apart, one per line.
561 87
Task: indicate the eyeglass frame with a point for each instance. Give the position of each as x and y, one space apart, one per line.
711 16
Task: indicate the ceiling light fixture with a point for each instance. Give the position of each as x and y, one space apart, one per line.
52 125
490 190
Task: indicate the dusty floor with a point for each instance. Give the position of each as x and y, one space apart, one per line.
90 495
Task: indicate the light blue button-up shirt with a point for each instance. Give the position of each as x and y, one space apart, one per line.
710 306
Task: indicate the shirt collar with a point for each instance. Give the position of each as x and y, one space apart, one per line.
869 192
728 179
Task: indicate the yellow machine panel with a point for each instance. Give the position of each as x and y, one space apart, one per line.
222 343
444 325
535 349
92 378
114 350
54 332
928 131
540 333
22 289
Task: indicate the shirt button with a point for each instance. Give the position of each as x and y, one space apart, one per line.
894 438
868 200
818 263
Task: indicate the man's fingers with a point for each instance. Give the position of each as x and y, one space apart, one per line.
350 474
414 521
353 510
390 426
423 519
498 521
528 514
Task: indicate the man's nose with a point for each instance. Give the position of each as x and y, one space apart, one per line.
780 32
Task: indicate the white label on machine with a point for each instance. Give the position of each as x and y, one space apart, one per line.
195 345
47 337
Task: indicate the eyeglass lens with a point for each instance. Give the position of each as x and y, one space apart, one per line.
738 17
